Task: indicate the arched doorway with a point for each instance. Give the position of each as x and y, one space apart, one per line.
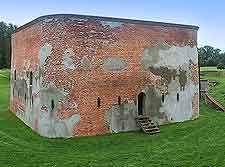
141 103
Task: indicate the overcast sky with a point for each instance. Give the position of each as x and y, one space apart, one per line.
209 15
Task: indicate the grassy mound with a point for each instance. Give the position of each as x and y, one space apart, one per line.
209 68
194 143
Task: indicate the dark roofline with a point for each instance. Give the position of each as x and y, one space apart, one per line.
154 23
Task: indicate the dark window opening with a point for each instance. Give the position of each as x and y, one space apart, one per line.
178 97
163 97
98 102
14 74
52 104
31 77
141 103
32 100
25 97
119 100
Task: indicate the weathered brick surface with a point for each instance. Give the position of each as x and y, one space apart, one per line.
97 42
24 58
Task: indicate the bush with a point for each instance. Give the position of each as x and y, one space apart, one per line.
220 66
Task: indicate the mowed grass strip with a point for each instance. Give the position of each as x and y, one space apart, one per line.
194 143
209 68
217 91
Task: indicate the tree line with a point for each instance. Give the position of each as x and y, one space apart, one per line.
208 55
5 43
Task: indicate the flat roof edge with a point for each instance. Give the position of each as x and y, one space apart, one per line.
125 20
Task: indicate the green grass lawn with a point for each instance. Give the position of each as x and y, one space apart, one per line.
194 143
208 68
218 91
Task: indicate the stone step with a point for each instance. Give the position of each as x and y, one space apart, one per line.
151 129
147 125
142 117
146 122
154 132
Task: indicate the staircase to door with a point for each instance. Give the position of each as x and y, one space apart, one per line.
147 125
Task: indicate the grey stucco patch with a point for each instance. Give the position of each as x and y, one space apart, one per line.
20 89
50 97
111 24
49 123
153 103
69 61
151 56
122 117
69 103
85 63
182 79
48 20
164 72
44 52
114 64
63 128
71 121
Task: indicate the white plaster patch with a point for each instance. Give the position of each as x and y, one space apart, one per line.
71 121
114 64
122 119
68 59
171 58
44 52
176 56
69 104
111 24
77 19
48 20
179 111
49 125
60 129
85 63
52 128
26 65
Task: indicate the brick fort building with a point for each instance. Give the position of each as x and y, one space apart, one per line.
75 75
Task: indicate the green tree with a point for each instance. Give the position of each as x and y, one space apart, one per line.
210 56
220 66
5 43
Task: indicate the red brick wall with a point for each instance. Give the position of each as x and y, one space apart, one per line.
126 41
25 47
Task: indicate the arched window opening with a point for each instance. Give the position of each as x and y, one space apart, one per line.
141 103
178 97
25 97
163 97
119 100
32 100
31 77
14 74
98 102
52 104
